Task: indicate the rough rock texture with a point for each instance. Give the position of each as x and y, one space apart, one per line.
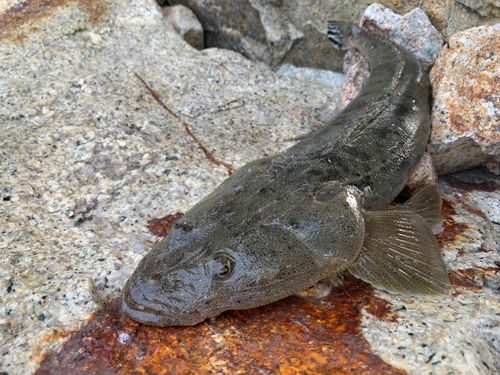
357 71
413 31
257 29
466 107
436 342
423 175
325 77
485 8
186 24
88 156
292 31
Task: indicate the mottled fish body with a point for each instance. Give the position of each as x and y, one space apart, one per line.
317 210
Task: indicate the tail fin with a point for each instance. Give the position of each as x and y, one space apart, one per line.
342 33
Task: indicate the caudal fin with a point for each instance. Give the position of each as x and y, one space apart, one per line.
341 34
401 255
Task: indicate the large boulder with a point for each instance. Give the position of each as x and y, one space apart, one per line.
89 156
292 32
466 106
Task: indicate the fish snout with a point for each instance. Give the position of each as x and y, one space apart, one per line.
161 300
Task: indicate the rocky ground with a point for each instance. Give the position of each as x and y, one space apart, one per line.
110 119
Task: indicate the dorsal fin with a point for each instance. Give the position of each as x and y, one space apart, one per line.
427 203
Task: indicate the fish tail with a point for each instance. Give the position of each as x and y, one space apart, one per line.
341 34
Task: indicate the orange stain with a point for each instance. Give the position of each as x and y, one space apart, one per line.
29 16
291 336
161 227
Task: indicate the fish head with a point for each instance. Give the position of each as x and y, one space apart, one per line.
204 267
182 282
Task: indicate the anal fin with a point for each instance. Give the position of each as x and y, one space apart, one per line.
400 254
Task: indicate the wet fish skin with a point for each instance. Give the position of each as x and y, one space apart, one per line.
321 208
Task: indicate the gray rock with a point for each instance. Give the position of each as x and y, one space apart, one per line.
466 110
325 77
293 32
186 24
88 156
486 8
413 31
255 28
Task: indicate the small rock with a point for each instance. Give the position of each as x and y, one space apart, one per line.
413 31
255 28
466 108
186 24
325 77
357 72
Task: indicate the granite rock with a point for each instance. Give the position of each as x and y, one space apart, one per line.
466 107
325 77
485 8
186 24
413 31
292 32
357 71
423 175
88 156
255 28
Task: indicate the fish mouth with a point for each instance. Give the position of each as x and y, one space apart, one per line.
150 315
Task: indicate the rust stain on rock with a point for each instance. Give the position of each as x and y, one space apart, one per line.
490 271
451 229
460 188
460 283
29 15
161 227
472 278
290 336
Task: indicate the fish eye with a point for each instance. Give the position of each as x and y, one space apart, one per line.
221 266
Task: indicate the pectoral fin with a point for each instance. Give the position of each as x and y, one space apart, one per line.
427 203
401 255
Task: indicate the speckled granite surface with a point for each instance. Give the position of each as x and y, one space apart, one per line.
88 157
461 334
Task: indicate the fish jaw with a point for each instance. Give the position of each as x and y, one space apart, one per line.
151 295
154 316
